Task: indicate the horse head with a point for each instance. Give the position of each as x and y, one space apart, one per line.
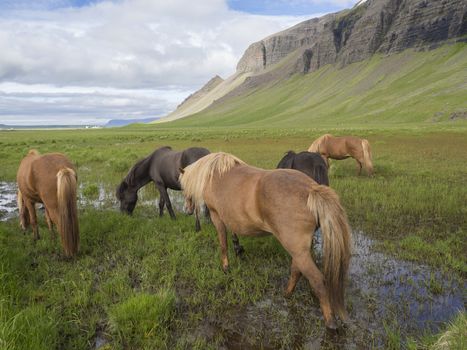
127 197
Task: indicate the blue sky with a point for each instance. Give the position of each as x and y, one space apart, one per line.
88 61
287 7
259 7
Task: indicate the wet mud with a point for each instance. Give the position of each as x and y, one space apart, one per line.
388 300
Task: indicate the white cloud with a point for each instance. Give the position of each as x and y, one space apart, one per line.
123 49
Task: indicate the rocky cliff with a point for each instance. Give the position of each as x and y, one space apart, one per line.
372 26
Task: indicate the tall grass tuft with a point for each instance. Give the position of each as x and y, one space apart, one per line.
32 328
143 319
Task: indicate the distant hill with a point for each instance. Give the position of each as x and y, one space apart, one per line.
123 122
383 60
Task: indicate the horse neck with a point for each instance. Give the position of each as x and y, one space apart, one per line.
139 175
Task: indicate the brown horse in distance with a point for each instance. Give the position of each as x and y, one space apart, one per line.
286 203
344 147
49 179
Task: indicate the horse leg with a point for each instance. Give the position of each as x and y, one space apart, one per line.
23 213
359 167
161 205
197 223
50 224
163 193
316 279
222 235
32 219
237 247
299 249
295 275
206 213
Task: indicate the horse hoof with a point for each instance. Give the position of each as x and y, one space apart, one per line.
345 318
331 325
239 251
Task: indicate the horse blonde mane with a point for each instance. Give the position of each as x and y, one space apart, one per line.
315 146
33 152
198 175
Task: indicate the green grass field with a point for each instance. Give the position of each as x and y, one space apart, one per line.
145 282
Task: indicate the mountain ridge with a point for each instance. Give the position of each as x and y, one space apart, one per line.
372 27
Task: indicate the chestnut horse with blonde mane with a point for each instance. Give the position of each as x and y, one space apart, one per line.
49 179
286 203
344 147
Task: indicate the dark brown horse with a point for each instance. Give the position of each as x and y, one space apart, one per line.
344 147
163 168
49 179
286 203
309 163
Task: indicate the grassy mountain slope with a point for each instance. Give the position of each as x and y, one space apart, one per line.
412 86
201 100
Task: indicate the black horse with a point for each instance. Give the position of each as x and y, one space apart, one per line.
309 163
163 168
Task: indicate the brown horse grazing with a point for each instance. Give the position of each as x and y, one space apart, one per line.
344 147
49 179
286 203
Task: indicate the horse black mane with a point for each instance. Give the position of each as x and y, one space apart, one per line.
129 179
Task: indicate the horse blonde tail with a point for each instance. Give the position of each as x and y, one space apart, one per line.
324 204
367 156
67 211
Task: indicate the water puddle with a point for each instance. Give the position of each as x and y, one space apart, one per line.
8 206
385 297
97 196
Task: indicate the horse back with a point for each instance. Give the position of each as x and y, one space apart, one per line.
37 175
166 165
191 155
253 201
233 197
282 195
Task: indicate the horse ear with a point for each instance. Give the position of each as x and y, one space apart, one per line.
182 171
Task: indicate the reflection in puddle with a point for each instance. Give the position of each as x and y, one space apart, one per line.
8 206
102 197
383 295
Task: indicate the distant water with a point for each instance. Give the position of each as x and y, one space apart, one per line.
35 127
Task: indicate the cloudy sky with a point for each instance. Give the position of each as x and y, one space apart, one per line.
88 61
